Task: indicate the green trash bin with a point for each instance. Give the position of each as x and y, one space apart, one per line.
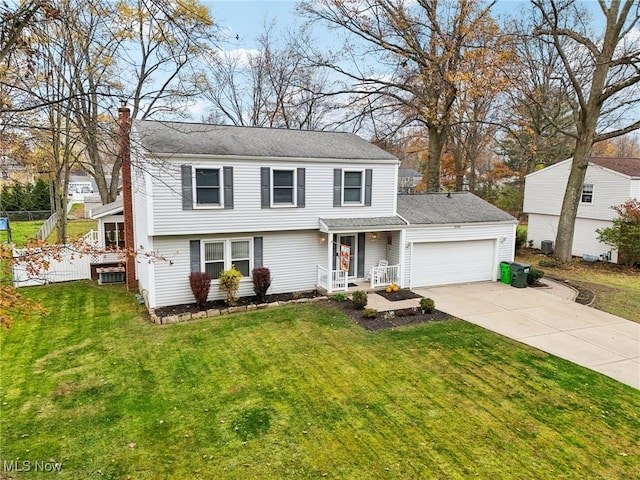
505 272
519 273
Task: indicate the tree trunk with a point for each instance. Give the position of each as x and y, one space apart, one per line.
437 138
571 201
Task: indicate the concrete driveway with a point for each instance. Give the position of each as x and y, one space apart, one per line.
594 339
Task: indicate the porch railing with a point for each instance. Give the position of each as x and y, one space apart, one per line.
91 237
385 275
331 281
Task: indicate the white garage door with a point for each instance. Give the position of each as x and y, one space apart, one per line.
443 263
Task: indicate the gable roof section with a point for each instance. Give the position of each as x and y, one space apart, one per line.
113 208
444 208
625 166
224 140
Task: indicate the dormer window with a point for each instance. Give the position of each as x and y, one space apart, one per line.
587 193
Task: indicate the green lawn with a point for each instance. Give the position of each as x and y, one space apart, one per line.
75 229
617 288
22 232
297 392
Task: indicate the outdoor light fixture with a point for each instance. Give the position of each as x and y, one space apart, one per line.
374 236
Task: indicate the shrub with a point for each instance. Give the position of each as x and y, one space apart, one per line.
370 313
359 299
261 278
230 284
534 275
340 297
200 283
521 236
427 305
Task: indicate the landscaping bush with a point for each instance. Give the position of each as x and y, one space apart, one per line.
340 297
359 299
230 284
534 275
261 278
521 237
427 305
200 283
370 313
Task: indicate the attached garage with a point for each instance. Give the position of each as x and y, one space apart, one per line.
453 238
442 263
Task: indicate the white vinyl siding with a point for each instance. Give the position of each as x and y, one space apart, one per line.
170 219
544 191
292 258
585 238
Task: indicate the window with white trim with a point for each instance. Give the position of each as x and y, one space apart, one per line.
587 193
283 187
352 187
220 255
207 186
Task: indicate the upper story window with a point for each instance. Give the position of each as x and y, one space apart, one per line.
352 187
587 193
221 255
284 187
207 185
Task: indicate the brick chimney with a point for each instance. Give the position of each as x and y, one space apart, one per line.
124 122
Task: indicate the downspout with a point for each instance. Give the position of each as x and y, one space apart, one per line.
124 121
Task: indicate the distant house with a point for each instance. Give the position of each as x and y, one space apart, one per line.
608 182
319 209
408 179
12 170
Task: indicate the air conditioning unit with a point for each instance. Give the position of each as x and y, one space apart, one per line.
108 275
546 246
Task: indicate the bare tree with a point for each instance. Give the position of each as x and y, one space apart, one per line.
270 86
405 59
603 76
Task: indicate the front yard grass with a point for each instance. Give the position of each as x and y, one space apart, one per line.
616 288
22 232
297 392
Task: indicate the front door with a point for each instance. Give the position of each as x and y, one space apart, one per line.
349 240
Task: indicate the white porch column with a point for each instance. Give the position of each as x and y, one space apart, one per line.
402 256
330 262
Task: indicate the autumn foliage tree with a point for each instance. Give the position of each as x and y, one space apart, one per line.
624 235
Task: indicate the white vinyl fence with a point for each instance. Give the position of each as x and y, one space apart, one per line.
70 266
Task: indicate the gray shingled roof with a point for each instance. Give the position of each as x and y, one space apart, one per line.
108 209
442 208
363 222
203 139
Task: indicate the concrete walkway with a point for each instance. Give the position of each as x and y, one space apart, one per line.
553 323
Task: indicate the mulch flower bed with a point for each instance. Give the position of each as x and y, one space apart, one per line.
402 294
387 320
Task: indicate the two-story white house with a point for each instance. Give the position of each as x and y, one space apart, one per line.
608 182
319 209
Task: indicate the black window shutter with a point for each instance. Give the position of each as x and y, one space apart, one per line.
301 186
265 187
337 187
187 188
257 252
360 272
194 250
368 178
228 187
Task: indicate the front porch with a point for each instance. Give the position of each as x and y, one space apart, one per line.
338 280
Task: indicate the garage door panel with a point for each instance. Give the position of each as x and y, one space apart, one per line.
442 263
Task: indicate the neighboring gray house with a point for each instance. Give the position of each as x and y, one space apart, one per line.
319 209
408 179
608 182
